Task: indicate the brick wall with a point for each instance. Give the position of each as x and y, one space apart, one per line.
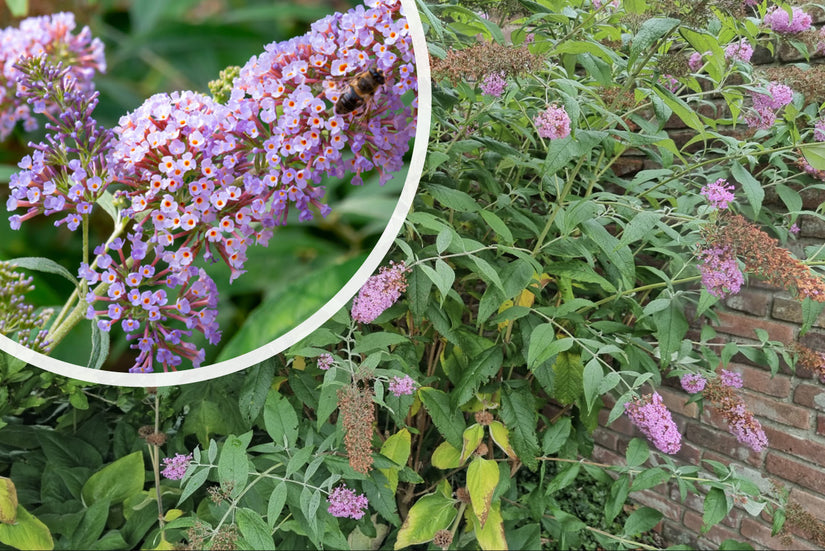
790 406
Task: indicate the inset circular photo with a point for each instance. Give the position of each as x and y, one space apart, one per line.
191 191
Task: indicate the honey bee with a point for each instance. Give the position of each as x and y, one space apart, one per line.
360 90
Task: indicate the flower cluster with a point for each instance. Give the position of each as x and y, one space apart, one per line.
693 383
345 503
198 179
741 51
721 393
653 418
763 257
379 292
819 130
494 84
553 123
718 193
765 106
175 467
50 37
17 317
130 293
721 275
810 359
779 20
325 361
358 412
696 60
68 172
400 386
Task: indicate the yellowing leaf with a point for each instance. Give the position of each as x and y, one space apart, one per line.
472 438
501 436
172 514
506 305
397 448
491 535
446 456
299 363
8 501
117 481
482 479
26 533
431 513
164 545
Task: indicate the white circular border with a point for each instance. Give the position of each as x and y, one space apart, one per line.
422 134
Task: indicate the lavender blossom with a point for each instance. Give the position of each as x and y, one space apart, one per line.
718 193
494 84
553 123
400 386
693 383
765 106
731 378
175 467
51 38
741 51
721 275
345 503
777 19
325 361
379 293
653 418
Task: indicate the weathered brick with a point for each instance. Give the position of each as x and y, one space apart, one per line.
761 55
602 455
795 471
820 425
812 396
814 504
788 309
668 508
788 414
675 401
676 533
761 533
751 301
718 441
811 227
605 438
781 440
715 535
744 326
760 380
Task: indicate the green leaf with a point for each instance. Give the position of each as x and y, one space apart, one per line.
381 497
193 483
253 529
8 501
276 503
479 370
639 227
443 276
649 478
750 185
814 153
637 452
396 448
448 421
431 513
490 536
519 415
556 436
543 345
453 198
566 476
671 326
115 482
734 545
489 273
651 30
497 224
446 456
621 261
641 520
381 340
27 533
592 380
45 265
256 383
569 372
619 491
233 465
716 507
91 525
280 419
18 8
100 347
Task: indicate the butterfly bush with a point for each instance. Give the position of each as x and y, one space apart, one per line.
49 36
196 179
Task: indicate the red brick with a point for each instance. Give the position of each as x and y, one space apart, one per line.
715 535
602 455
769 408
810 502
675 400
689 453
743 326
659 502
621 425
762 381
605 438
789 309
820 425
761 534
798 472
675 533
751 301
780 440
721 442
811 396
